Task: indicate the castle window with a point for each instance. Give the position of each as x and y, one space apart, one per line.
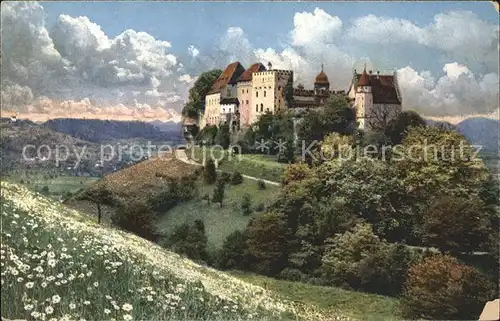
247 102
257 94
267 109
264 93
256 107
279 87
261 107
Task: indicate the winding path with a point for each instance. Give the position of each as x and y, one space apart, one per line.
181 155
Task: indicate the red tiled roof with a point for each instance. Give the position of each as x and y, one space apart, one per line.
364 80
229 76
247 75
383 88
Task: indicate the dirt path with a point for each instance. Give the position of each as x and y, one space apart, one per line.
181 155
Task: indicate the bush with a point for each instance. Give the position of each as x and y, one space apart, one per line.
260 207
218 195
261 185
209 172
136 218
225 177
237 178
246 204
177 191
45 190
441 288
291 274
233 255
189 240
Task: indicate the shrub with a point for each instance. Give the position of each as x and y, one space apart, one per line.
260 207
176 191
261 184
233 254
218 196
225 177
236 178
246 204
21 181
136 218
441 288
291 274
45 190
209 172
189 240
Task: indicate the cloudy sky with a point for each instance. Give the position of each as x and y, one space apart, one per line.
138 60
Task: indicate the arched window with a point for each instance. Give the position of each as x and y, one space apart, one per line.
256 107
264 93
257 94
261 107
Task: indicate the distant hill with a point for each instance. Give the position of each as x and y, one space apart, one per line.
96 130
481 131
169 126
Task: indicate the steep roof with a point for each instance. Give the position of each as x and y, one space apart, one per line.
364 79
247 75
383 88
229 76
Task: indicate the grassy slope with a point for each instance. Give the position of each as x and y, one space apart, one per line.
261 166
70 260
358 305
219 222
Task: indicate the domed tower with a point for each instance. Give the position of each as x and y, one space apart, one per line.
321 83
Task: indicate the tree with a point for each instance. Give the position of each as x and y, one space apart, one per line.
396 129
261 184
336 116
268 243
295 172
218 195
99 195
246 204
176 191
223 138
433 161
233 254
288 154
456 224
343 254
198 92
236 178
209 172
441 288
136 218
380 116
45 190
189 240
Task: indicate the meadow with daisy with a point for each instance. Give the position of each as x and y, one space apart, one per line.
57 264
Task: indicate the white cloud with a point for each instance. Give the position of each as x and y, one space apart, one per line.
460 35
313 29
457 92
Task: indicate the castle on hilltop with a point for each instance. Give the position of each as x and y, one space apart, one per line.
240 96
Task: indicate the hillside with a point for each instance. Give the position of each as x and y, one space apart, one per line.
15 136
97 272
481 131
96 130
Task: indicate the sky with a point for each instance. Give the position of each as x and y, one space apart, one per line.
139 59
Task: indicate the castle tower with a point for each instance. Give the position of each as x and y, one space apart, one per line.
321 83
363 99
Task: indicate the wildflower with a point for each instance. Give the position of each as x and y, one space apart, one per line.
35 314
29 285
72 306
20 279
49 310
28 307
96 284
107 311
127 317
127 307
56 299
43 284
86 302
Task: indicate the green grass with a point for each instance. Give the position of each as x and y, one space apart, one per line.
362 306
58 184
57 262
256 165
219 222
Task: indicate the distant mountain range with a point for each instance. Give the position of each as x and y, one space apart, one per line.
478 131
96 130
